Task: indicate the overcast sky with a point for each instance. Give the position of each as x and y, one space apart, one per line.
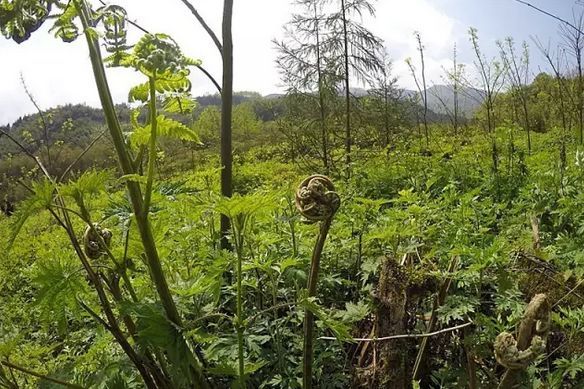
58 73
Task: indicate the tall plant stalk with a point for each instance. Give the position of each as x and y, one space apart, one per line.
140 207
317 201
152 143
226 115
239 307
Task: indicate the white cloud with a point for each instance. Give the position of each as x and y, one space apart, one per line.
59 73
396 22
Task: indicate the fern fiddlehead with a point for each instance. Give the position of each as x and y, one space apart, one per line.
317 201
516 355
19 19
92 244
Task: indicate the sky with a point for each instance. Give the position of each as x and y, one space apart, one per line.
58 73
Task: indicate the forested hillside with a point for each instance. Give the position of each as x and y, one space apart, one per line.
348 233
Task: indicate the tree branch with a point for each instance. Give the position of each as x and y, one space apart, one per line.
426 335
204 25
39 375
210 77
89 146
551 15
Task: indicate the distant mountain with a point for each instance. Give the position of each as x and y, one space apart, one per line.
441 99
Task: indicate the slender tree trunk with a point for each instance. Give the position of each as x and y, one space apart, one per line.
348 138
527 122
494 151
455 92
386 116
426 131
324 136
226 111
580 109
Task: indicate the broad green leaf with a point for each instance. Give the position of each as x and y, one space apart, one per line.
354 312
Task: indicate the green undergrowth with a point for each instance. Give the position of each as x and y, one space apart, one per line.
414 206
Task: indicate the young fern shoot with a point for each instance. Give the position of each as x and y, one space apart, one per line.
317 201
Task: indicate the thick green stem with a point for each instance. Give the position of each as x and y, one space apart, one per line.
134 191
240 320
152 145
308 316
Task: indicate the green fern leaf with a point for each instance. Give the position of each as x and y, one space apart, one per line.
166 127
89 183
42 198
64 26
177 82
179 104
139 93
132 178
19 19
175 129
340 330
59 282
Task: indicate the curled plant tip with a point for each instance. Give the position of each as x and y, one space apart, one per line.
92 245
316 198
516 355
509 356
538 313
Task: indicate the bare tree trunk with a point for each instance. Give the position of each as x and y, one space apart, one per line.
471 367
577 48
324 136
455 92
386 116
226 111
348 138
426 132
387 361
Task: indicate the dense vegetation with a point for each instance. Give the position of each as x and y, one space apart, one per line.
443 251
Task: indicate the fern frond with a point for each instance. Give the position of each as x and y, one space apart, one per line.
166 127
64 26
19 19
59 282
139 93
179 104
41 199
89 183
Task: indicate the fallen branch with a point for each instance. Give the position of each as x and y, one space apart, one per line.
426 335
39 375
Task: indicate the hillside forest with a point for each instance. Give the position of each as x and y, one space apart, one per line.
347 233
